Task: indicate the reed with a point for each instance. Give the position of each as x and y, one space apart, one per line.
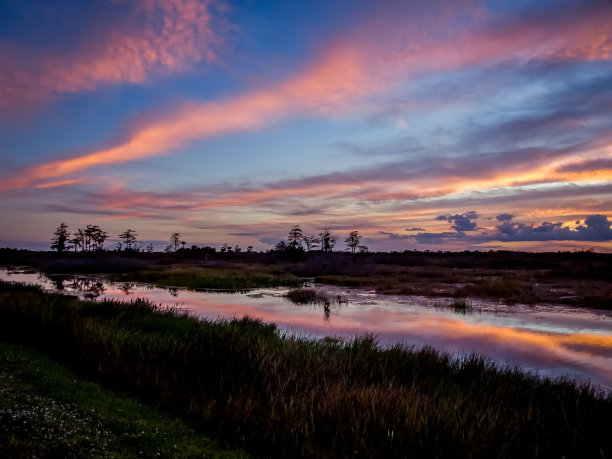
283 396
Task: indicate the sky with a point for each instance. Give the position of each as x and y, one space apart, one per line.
427 125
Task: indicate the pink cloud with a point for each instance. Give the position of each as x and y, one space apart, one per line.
347 73
176 34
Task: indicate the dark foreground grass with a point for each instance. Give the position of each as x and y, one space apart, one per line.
288 397
47 410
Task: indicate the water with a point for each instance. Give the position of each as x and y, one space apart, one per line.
549 340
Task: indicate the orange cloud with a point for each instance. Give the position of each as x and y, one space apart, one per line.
60 183
344 74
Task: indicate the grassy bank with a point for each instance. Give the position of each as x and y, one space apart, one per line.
48 410
244 383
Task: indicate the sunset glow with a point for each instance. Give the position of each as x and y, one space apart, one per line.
424 125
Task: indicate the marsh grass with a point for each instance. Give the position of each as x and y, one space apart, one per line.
237 277
48 410
285 396
302 296
461 306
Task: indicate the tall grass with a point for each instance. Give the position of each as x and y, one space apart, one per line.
47 410
291 397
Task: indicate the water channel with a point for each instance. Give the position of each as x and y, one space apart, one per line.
549 340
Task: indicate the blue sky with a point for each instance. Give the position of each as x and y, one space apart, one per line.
233 121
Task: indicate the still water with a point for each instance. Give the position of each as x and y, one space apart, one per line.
549 340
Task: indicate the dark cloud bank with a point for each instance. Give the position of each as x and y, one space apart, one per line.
594 228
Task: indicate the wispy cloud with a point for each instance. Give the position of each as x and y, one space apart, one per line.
145 38
348 72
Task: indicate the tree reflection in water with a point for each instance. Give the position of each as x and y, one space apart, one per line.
91 288
126 287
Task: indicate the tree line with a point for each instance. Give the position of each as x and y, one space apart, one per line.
325 241
92 239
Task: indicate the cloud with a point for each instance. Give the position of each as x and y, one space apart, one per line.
414 229
437 238
597 229
132 42
461 222
588 166
395 236
504 217
349 71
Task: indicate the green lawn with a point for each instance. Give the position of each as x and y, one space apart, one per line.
48 410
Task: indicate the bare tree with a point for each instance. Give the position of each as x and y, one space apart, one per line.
60 238
352 241
129 236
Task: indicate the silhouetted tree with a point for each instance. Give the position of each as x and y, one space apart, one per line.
328 240
311 242
94 237
78 240
363 249
89 239
295 238
250 249
352 241
281 246
175 241
129 236
60 238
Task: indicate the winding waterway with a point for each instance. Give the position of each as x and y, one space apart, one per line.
550 340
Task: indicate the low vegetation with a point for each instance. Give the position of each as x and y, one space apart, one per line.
313 296
48 410
582 279
235 277
243 382
461 306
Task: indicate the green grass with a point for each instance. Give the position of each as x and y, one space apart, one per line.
46 409
277 396
236 277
